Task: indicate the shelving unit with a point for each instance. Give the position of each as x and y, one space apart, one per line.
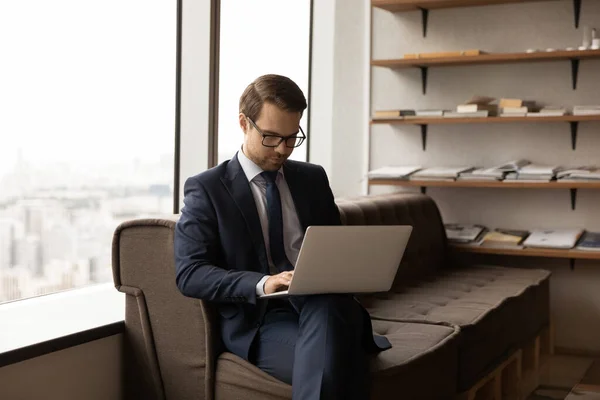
424 63
425 5
491 59
573 121
572 255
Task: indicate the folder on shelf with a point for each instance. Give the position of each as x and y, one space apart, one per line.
553 238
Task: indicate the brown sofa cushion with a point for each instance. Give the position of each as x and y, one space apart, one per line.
422 362
427 248
496 308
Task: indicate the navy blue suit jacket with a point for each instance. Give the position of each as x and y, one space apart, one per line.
220 252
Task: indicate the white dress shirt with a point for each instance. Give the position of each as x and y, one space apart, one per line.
293 233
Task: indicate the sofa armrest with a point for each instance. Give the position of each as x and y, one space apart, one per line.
171 340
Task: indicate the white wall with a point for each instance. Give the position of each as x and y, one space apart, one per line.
502 28
91 371
339 93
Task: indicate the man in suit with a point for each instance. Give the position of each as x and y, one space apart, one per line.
238 237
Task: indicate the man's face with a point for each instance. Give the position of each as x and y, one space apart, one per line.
271 121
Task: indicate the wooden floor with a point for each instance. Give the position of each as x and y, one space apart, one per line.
568 378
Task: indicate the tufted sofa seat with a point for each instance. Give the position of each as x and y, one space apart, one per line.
497 308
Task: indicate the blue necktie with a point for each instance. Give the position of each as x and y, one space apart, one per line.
275 216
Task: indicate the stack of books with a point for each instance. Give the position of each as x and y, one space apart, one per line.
586 110
464 233
477 107
549 111
496 173
533 173
586 174
515 107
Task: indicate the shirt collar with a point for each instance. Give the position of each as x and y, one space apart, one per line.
249 167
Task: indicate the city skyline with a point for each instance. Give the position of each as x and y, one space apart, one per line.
56 233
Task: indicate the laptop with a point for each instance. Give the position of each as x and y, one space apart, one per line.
347 259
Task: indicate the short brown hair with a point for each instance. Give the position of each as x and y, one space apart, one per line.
275 89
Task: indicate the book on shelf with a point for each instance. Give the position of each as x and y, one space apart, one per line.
388 114
505 238
590 241
464 233
429 113
440 173
480 174
587 173
474 114
513 112
515 107
478 104
553 238
586 110
534 172
497 172
393 172
516 103
442 54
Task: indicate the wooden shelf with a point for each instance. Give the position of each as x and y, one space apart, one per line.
426 5
572 186
412 5
423 64
573 120
493 58
488 120
486 184
529 252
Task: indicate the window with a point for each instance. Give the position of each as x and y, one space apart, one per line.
259 37
86 135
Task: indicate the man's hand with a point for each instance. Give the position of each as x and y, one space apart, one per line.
279 282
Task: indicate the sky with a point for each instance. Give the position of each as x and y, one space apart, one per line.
86 81
259 37
94 81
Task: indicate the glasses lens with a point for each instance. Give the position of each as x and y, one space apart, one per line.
271 141
292 141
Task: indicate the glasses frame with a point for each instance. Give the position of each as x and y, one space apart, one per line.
281 138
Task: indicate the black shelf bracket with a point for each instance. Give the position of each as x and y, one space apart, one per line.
424 189
572 263
577 11
424 20
573 198
424 136
574 126
574 72
424 78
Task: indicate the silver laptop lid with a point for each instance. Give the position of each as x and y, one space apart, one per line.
349 258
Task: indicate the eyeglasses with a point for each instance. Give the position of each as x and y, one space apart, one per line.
275 140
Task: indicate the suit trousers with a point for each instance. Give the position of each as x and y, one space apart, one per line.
316 345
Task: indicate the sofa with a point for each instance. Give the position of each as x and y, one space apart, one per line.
449 324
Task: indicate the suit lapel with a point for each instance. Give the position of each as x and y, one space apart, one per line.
239 188
299 192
